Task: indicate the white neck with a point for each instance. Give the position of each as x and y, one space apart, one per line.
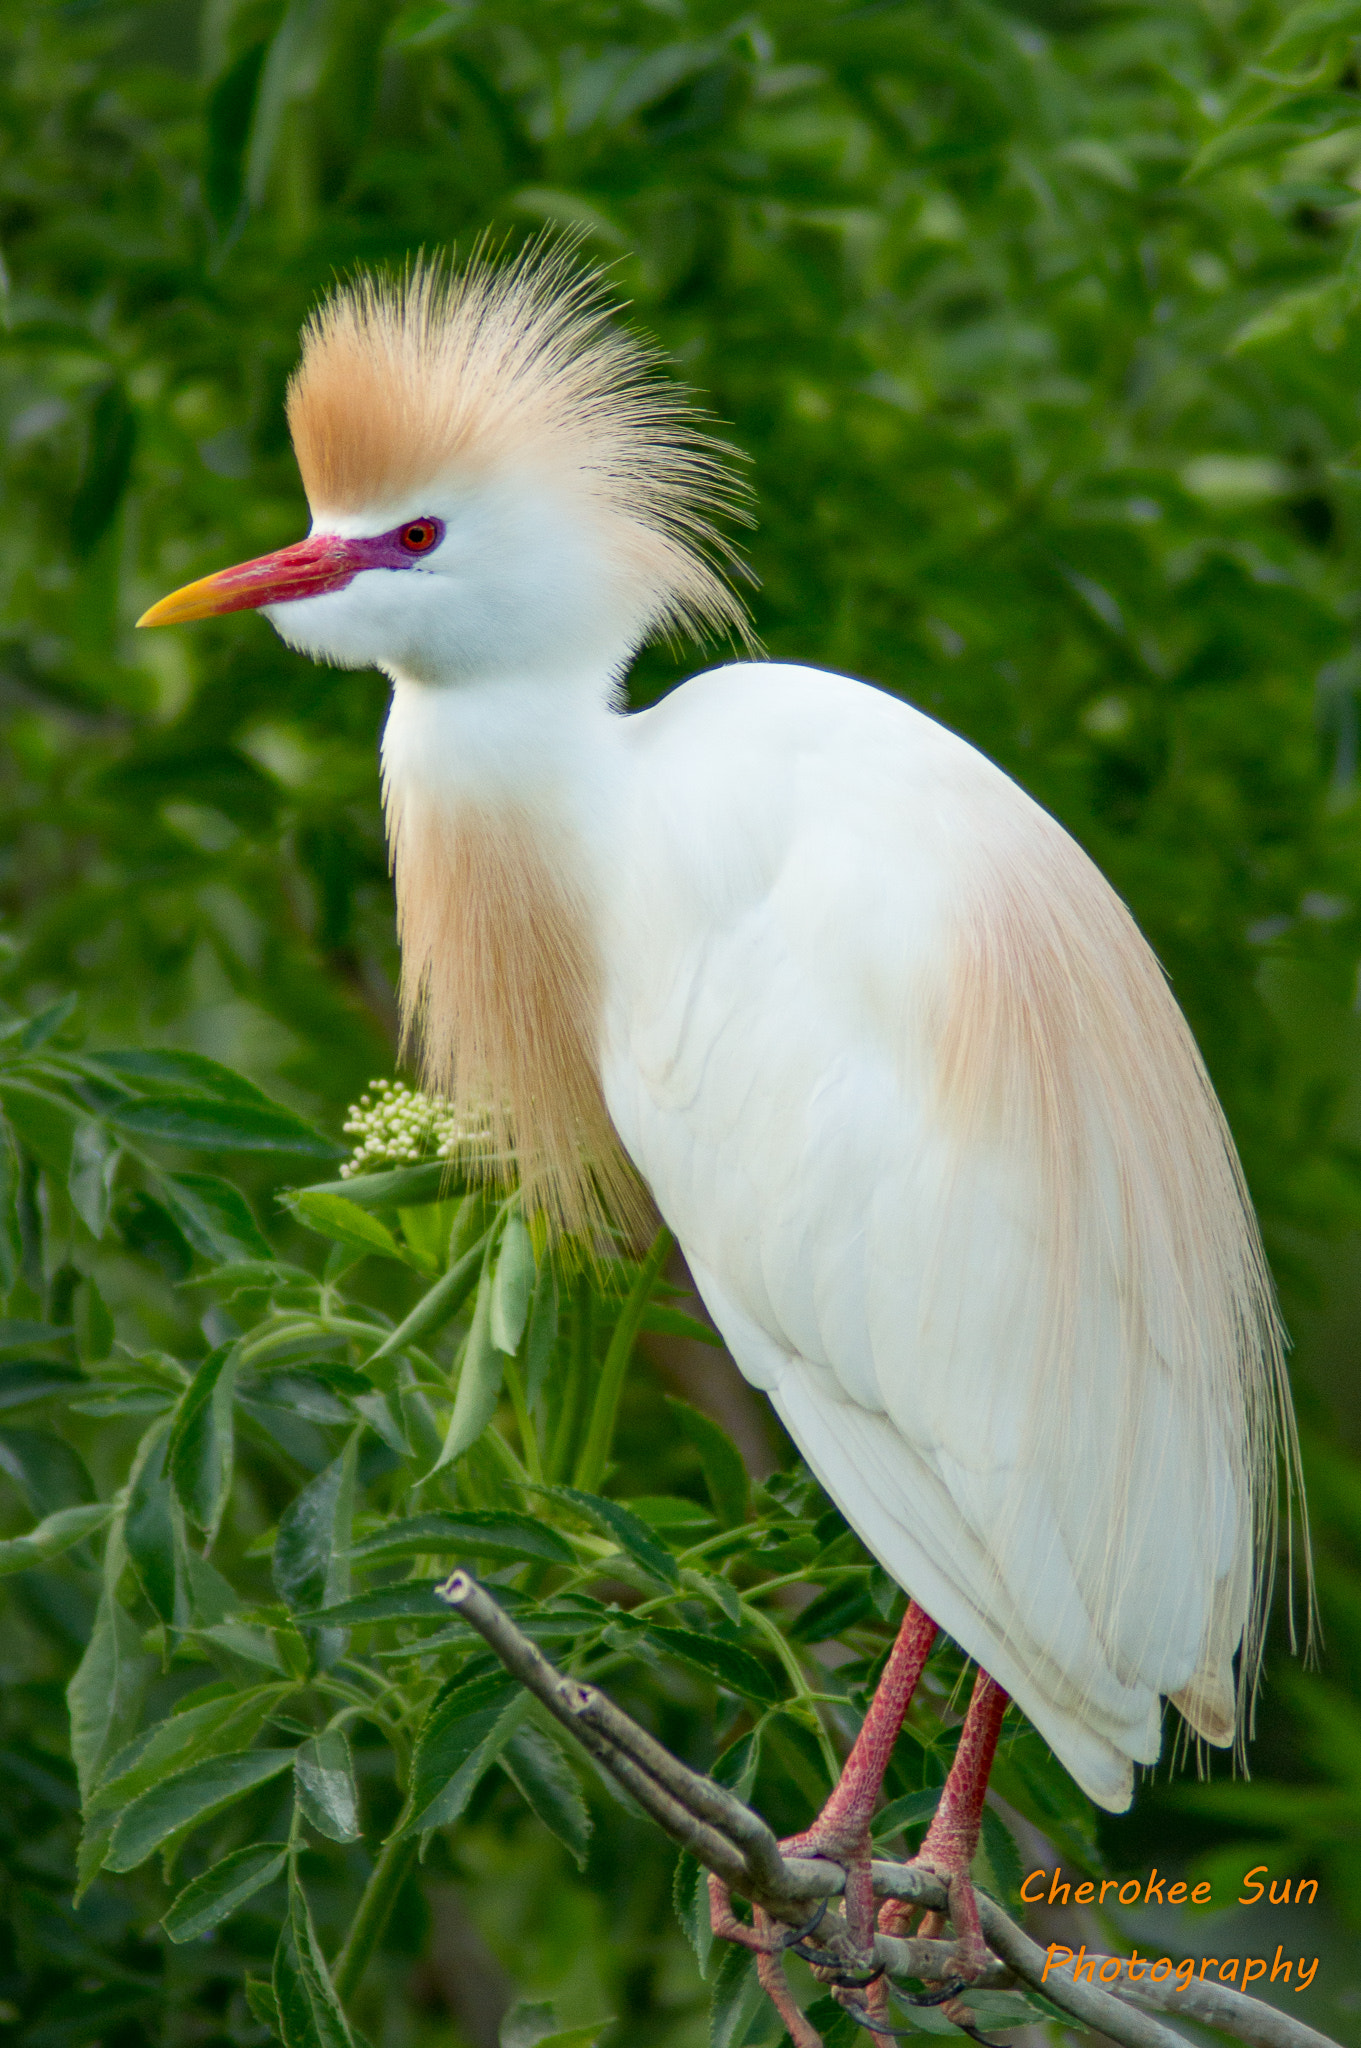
547 747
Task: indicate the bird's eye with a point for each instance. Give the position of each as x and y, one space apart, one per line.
420 536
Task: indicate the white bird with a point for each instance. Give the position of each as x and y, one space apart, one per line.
889 1054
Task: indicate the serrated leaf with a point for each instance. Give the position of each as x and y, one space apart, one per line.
735 1999
479 1382
327 1795
215 1217
180 1073
480 1532
512 1286
104 1695
309 2013
224 1889
336 1217
53 1534
538 1768
629 1531
311 1549
725 1471
151 1532
214 1727
1005 1870
264 2006
908 1812
734 1668
200 1125
690 1898
200 1451
187 1799
468 1723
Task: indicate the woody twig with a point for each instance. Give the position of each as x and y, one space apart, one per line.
732 1842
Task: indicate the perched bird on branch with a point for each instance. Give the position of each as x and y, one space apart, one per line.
886 1051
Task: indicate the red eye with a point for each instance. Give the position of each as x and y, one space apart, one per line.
419 537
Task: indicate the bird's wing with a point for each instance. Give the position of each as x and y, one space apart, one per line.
931 1130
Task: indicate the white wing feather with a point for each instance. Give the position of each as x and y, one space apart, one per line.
910 1089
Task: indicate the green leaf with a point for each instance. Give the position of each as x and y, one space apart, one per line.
537 1765
94 1325
468 1724
512 1286
908 1812
735 1999
224 1889
200 1125
200 1449
151 1531
327 1795
336 1217
479 1382
214 1216
53 1534
263 2005
542 1335
437 1306
835 1610
1004 1867
89 1182
725 1471
632 1534
180 1073
660 1321
48 1022
212 1727
690 1898
43 1122
50 1473
480 1532
310 2014
412 1600
311 1562
35 1379
405 1187
104 1695
187 1799
732 1666
108 464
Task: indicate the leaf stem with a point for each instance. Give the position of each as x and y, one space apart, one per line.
595 1452
386 1879
524 1422
804 1691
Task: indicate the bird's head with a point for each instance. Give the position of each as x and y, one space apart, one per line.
500 482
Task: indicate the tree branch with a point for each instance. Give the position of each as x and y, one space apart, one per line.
729 1839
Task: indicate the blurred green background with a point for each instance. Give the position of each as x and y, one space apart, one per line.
1041 325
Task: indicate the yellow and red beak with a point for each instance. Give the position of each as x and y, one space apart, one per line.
307 569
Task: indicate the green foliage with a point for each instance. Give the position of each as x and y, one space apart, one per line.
249 1718
1039 324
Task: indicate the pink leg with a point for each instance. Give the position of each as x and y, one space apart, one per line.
841 1831
952 1837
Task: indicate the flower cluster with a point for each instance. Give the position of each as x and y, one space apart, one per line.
400 1126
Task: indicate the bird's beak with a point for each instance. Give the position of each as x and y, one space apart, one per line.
323 562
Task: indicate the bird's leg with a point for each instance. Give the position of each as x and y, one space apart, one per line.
841 1831
952 1837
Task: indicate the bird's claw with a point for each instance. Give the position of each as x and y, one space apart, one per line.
792 1937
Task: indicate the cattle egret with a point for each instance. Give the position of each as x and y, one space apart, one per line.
890 1056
